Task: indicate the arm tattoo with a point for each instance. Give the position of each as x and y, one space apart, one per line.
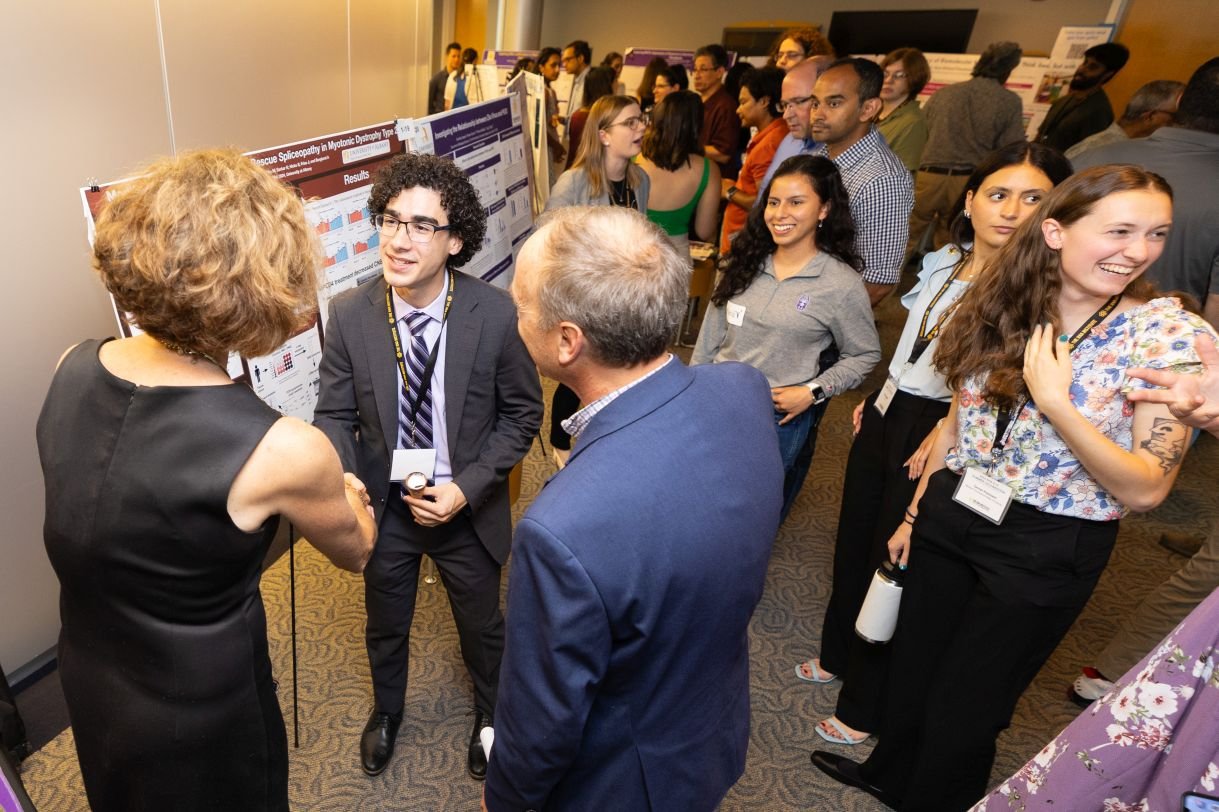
1166 442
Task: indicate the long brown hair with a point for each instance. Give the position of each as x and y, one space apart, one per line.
1020 289
591 159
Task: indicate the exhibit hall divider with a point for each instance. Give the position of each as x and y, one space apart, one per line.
333 175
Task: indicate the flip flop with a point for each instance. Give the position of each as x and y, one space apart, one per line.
843 736
816 671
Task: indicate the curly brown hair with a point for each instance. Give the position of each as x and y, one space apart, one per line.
458 198
208 251
988 333
809 38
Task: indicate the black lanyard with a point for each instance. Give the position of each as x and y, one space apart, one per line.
426 382
1006 423
924 337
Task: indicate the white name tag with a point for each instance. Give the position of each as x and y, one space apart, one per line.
735 313
983 495
409 460
886 395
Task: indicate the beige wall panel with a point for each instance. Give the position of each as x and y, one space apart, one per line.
82 91
256 74
644 23
1168 39
472 17
391 59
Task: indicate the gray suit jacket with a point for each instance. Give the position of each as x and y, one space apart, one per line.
493 399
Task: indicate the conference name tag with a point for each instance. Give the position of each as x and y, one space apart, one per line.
983 495
735 313
409 460
886 395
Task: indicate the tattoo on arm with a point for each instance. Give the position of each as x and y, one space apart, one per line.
1166 442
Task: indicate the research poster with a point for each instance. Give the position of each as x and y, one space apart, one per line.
504 62
287 379
488 141
1037 80
333 175
531 90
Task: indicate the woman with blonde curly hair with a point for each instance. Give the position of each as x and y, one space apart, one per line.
165 481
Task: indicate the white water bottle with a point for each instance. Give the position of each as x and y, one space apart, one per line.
878 615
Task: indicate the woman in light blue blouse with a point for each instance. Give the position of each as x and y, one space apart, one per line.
1041 453
886 457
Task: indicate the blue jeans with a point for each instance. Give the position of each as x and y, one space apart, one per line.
798 455
793 438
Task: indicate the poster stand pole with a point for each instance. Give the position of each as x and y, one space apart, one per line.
296 727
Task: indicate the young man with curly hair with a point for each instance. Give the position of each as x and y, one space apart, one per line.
426 363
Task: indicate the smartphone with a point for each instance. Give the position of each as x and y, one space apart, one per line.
1197 802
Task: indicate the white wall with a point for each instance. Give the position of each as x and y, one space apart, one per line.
648 24
85 97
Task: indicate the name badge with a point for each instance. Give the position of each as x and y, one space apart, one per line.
886 395
409 460
735 313
983 495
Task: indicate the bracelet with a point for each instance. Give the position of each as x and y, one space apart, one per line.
911 516
908 521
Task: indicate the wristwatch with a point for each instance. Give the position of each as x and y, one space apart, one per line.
819 395
732 190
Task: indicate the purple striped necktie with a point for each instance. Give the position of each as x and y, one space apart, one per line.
416 363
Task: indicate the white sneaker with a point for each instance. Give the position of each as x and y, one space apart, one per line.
1089 687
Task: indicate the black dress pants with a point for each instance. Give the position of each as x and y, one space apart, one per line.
983 607
471 578
875 493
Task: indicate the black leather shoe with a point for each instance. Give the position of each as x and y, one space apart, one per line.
477 762
845 771
377 743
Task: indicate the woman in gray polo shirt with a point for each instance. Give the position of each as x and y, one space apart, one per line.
790 287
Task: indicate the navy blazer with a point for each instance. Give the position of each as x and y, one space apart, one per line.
625 679
493 398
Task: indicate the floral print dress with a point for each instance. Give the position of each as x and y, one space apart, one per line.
1140 746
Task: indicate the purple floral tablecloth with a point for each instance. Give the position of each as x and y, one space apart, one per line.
1137 748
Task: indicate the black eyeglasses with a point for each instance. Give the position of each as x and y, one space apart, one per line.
415 230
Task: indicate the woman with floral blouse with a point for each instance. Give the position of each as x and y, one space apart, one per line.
1017 511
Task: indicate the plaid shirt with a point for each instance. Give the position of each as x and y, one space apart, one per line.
882 196
578 422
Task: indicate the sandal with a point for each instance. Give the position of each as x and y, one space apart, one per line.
843 735
814 668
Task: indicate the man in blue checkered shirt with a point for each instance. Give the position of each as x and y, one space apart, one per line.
846 100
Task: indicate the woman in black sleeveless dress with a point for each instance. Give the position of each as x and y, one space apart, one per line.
164 484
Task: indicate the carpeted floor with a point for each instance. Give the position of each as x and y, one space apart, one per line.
428 770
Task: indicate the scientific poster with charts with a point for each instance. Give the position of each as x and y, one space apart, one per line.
333 175
489 142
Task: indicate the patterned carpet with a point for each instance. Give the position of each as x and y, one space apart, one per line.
428 770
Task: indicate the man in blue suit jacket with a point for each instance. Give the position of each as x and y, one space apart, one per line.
625 678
